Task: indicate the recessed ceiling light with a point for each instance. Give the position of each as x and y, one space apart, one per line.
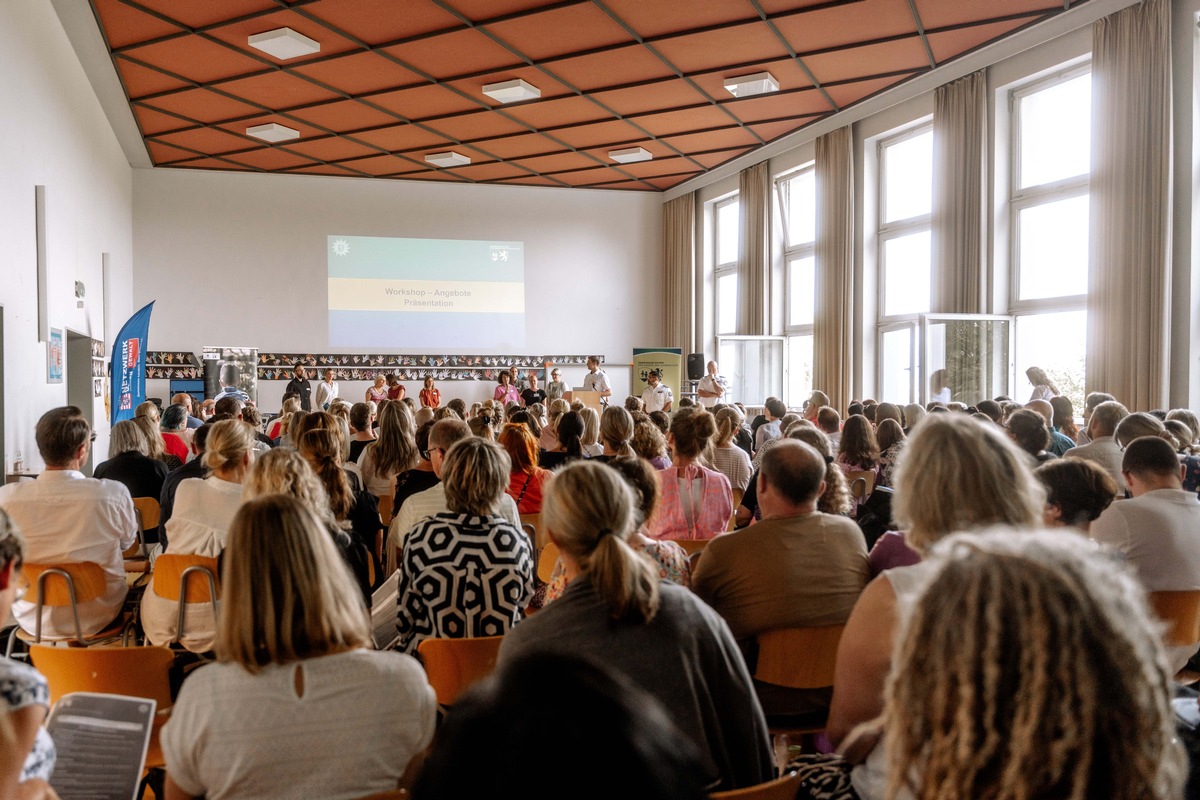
273 132
630 156
448 159
747 85
512 91
285 43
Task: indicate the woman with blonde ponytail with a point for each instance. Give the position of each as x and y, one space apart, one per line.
658 635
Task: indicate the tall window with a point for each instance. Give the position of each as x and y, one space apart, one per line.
1048 207
904 238
725 248
796 192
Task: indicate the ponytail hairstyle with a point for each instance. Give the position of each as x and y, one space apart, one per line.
570 429
616 431
322 449
589 511
729 422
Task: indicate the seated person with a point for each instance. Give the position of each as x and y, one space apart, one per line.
1077 491
1101 446
129 462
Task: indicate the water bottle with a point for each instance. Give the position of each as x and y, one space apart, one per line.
18 463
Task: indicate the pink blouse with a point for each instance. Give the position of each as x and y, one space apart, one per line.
691 511
507 394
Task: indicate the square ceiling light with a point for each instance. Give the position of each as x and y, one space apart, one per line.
512 91
448 159
285 43
749 85
631 155
273 132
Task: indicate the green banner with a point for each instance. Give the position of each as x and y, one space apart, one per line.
666 360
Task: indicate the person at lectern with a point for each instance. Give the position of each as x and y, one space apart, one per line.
596 380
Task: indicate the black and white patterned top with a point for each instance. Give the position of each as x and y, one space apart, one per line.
22 686
462 576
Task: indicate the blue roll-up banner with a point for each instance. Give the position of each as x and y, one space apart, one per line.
129 365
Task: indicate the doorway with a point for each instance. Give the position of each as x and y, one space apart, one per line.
79 381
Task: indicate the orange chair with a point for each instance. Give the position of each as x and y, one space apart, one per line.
1181 613
532 524
784 788
861 484
66 585
546 561
148 516
452 665
186 579
798 658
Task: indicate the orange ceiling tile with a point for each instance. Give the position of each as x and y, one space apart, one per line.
358 73
719 157
599 133
380 165
531 180
213 163
560 31
238 35
152 122
556 113
401 137
164 154
344 115
778 106
476 125
954 43
125 25
526 144
434 175
651 97
612 68
715 48
270 158
240 126
675 122
861 62
494 171
549 87
733 136
770 131
331 148
849 93
588 176
278 90
140 81
202 105
195 58
667 183
557 163
376 23
455 54
938 13
326 169
210 141
659 166
785 7
786 71
479 10
423 102
847 24
195 15
656 19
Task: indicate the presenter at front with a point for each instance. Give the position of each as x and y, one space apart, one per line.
712 387
596 380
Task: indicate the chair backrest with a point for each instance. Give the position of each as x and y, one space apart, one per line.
861 483
87 578
738 494
799 658
148 512
691 546
452 665
1181 612
169 577
546 561
784 788
534 521
132 671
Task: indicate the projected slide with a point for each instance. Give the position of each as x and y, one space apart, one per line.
439 294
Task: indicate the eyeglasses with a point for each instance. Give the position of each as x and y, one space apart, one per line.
428 454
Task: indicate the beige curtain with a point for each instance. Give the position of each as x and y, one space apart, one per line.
833 327
754 249
1128 309
959 130
679 272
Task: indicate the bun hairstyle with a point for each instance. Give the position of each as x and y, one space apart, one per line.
693 430
322 449
616 431
228 443
589 511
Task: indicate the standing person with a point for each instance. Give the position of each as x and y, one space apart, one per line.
596 380
294 667
1043 387
712 387
657 396
557 386
327 391
532 394
506 391
377 393
301 386
430 396
395 390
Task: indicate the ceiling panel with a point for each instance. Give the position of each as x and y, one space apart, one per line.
395 80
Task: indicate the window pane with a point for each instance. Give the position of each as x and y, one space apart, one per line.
800 369
908 178
802 289
1057 343
906 270
801 199
1053 249
727 233
1056 129
895 359
727 303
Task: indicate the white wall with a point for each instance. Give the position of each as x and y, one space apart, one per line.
239 260
53 133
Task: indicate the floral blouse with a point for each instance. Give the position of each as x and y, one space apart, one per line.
670 559
22 686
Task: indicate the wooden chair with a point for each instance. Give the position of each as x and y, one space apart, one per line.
546 561
861 484
186 579
148 514
62 586
784 788
452 665
1181 613
534 521
798 658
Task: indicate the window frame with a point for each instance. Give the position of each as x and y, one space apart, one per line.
722 270
887 231
796 252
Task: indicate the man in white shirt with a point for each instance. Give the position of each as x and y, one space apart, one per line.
68 518
442 436
1102 449
712 387
1158 531
657 396
596 380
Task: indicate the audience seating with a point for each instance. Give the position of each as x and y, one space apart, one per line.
452 665
62 585
186 579
861 484
546 561
148 516
533 522
784 788
1181 612
798 658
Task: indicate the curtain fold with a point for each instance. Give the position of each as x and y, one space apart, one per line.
754 249
959 136
833 334
679 272
1128 284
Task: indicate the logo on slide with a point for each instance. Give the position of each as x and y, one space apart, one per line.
341 247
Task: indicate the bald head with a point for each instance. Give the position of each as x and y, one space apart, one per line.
791 477
184 399
1044 408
